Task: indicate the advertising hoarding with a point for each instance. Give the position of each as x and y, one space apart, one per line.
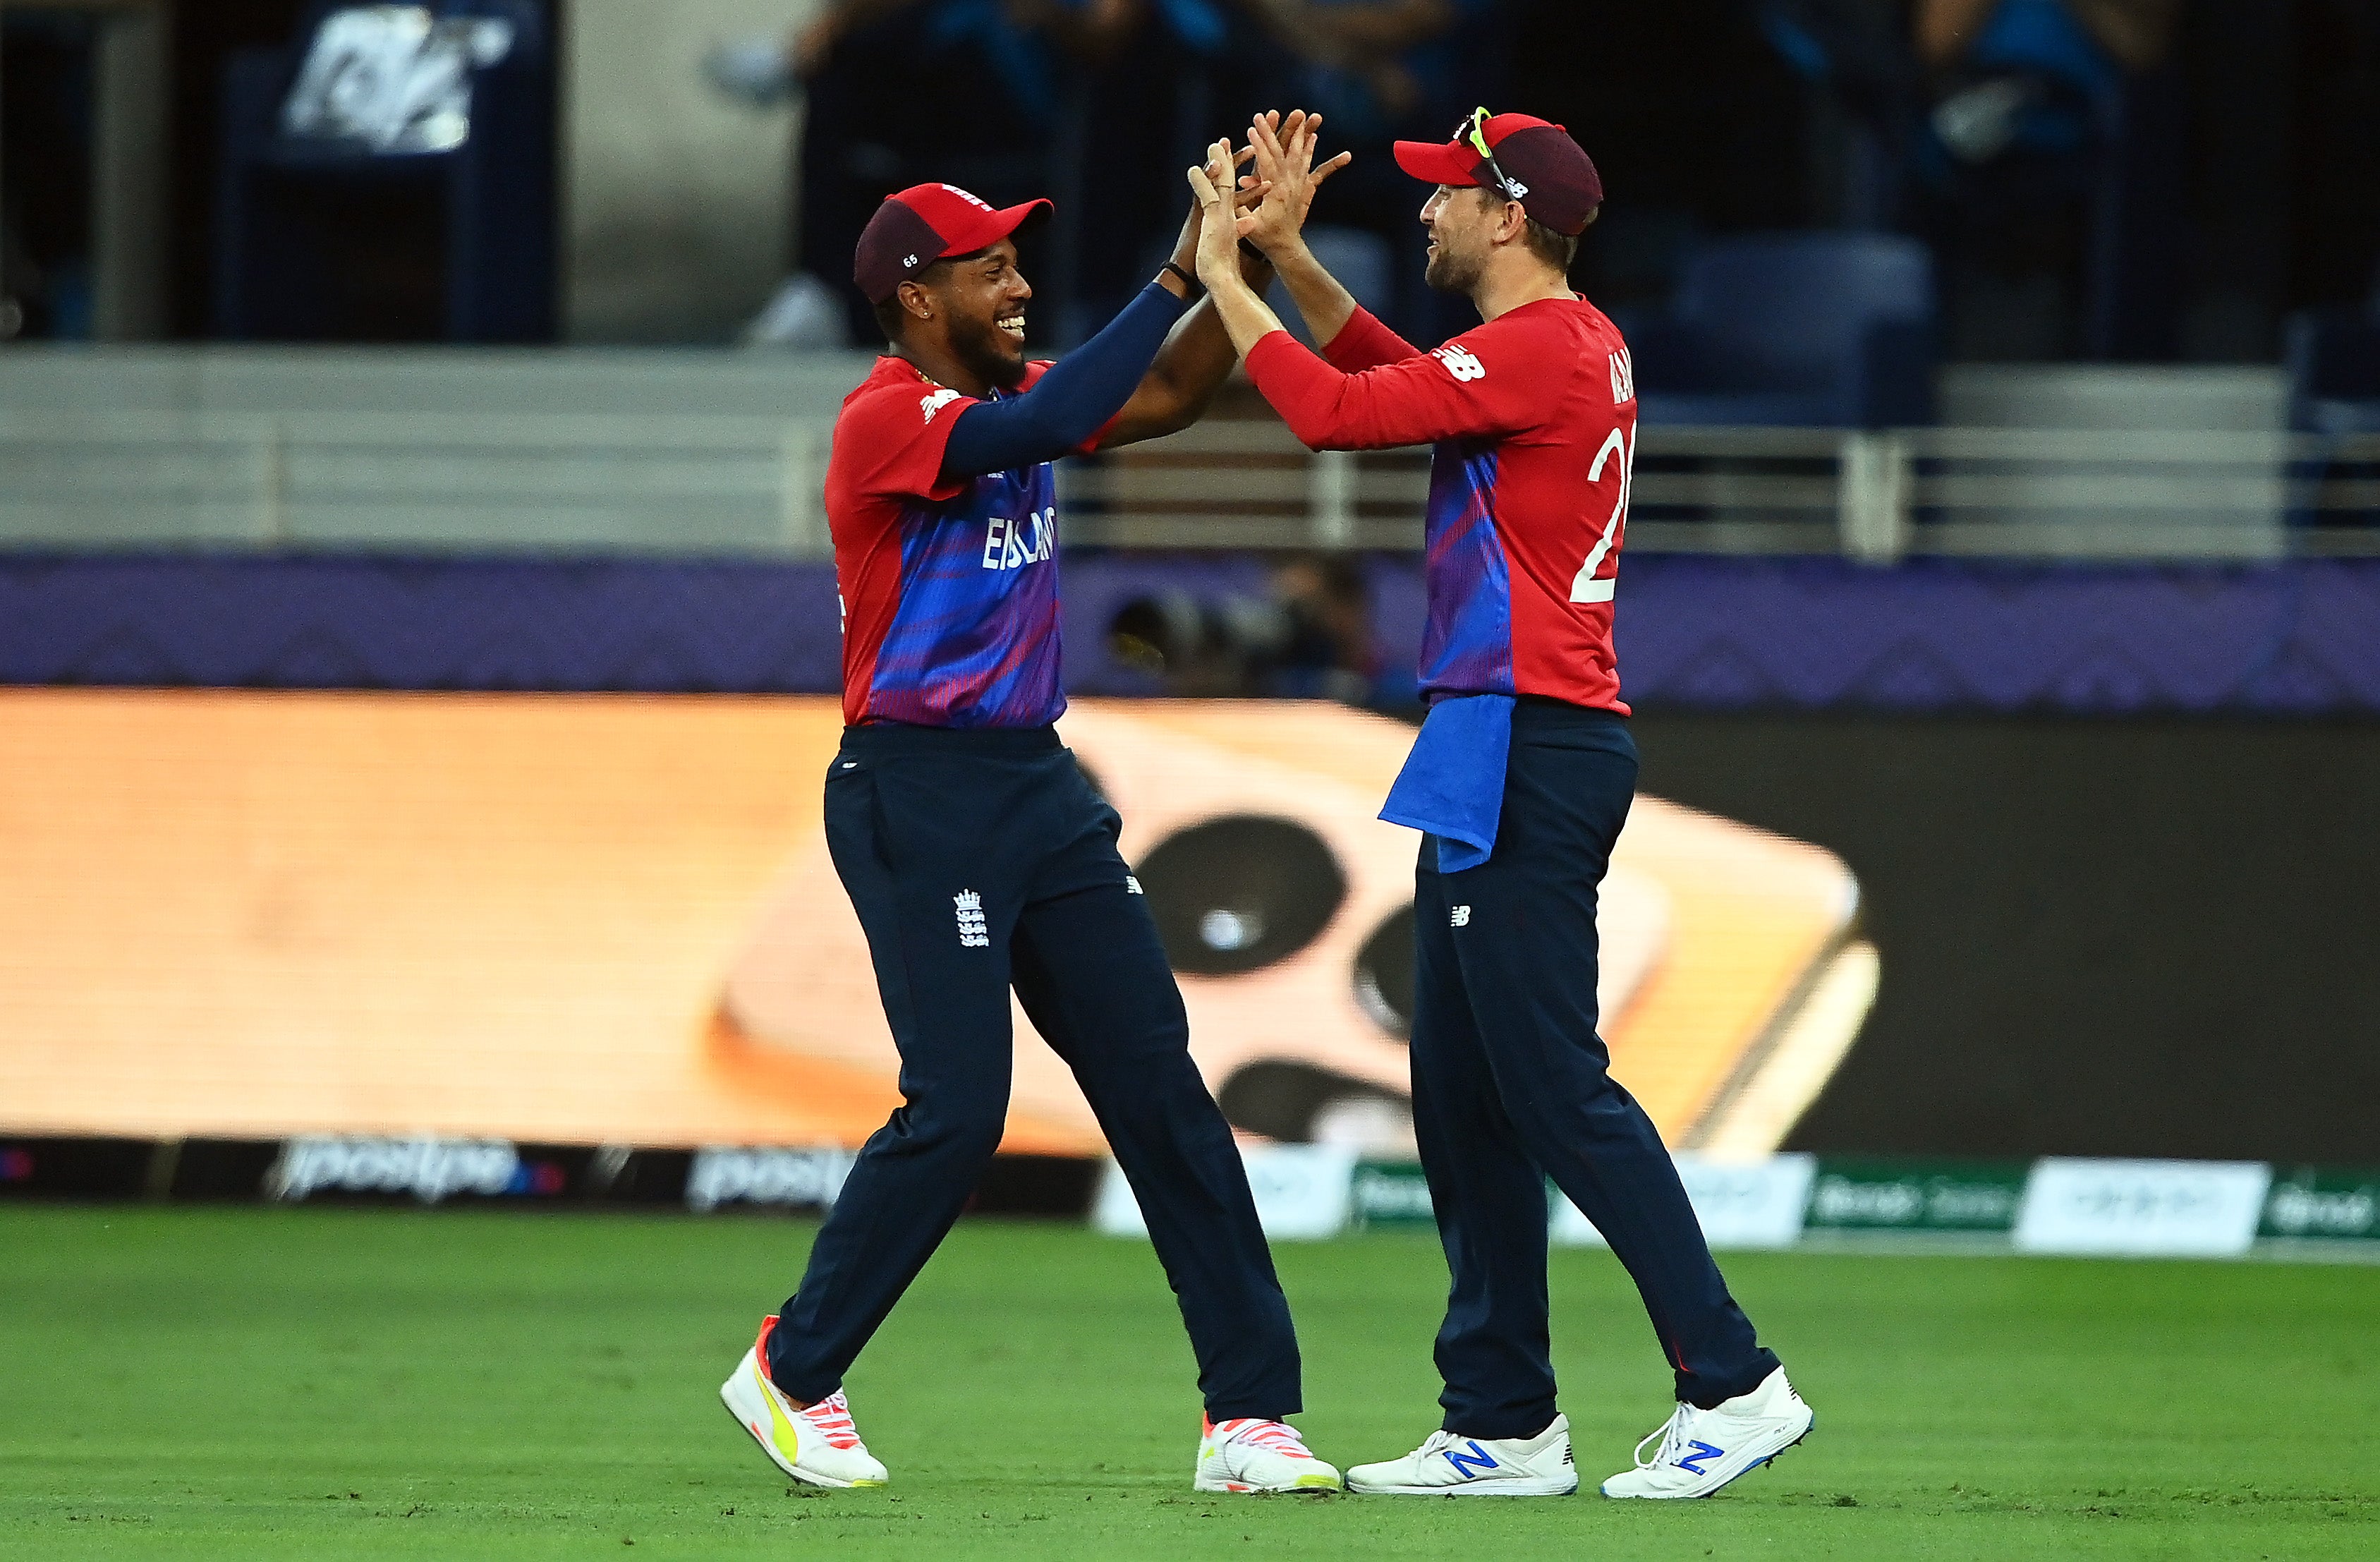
610 920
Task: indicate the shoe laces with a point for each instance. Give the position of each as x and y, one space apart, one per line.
1672 1435
1278 1437
830 1419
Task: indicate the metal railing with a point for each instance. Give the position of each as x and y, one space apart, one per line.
1876 496
707 483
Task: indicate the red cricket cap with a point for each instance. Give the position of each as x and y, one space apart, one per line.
1554 178
923 223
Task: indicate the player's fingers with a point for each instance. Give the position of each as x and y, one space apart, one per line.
1268 164
1218 166
1203 187
1297 150
1327 169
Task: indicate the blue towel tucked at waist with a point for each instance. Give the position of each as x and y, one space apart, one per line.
1452 785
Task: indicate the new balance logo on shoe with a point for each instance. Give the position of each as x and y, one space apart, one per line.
1462 917
974 931
1702 1451
1471 1465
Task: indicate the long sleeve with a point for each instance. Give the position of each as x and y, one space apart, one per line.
1069 404
1366 343
1499 380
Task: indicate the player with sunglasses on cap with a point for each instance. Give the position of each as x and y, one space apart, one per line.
977 856
1519 780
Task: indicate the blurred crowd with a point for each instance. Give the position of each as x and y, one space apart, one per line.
1988 127
1100 104
2086 173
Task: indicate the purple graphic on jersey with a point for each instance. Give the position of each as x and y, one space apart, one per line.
974 639
1466 645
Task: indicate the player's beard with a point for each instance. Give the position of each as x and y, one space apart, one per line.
987 354
1450 272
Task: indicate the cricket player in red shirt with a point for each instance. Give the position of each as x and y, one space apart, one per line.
979 860
1520 780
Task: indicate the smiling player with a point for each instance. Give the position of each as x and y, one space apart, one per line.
976 853
1520 780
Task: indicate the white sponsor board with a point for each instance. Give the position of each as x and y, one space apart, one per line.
1303 1193
428 1168
766 1174
1740 1203
2167 1208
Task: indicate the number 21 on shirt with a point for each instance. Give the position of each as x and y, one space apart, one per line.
1585 587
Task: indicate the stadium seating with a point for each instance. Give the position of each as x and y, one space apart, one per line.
2333 368
284 269
1809 329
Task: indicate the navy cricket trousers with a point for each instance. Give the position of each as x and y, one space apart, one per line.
1512 1086
980 860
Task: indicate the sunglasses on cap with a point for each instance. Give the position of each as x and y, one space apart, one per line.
1473 129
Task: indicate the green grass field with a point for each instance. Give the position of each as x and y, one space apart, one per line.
364 1384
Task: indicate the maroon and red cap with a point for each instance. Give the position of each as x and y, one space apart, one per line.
923 223
1547 172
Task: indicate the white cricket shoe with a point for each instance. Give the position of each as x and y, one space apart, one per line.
1703 1450
819 1445
1449 1466
1248 1455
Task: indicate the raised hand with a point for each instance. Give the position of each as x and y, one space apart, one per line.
1250 191
1284 166
1219 224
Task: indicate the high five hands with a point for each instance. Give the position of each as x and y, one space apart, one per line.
1247 193
1284 179
1221 226
1285 172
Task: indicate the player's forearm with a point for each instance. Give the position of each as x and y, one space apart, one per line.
1191 367
1182 384
1364 343
1306 392
1246 316
1324 304
1072 401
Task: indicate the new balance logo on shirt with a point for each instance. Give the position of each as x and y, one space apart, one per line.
974 931
1460 363
936 401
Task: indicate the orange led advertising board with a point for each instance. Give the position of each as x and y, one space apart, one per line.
611 920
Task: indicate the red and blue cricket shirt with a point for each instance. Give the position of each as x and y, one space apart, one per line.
949 587
1533 421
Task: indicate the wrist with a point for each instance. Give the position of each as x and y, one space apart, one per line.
1285 252
1179 280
